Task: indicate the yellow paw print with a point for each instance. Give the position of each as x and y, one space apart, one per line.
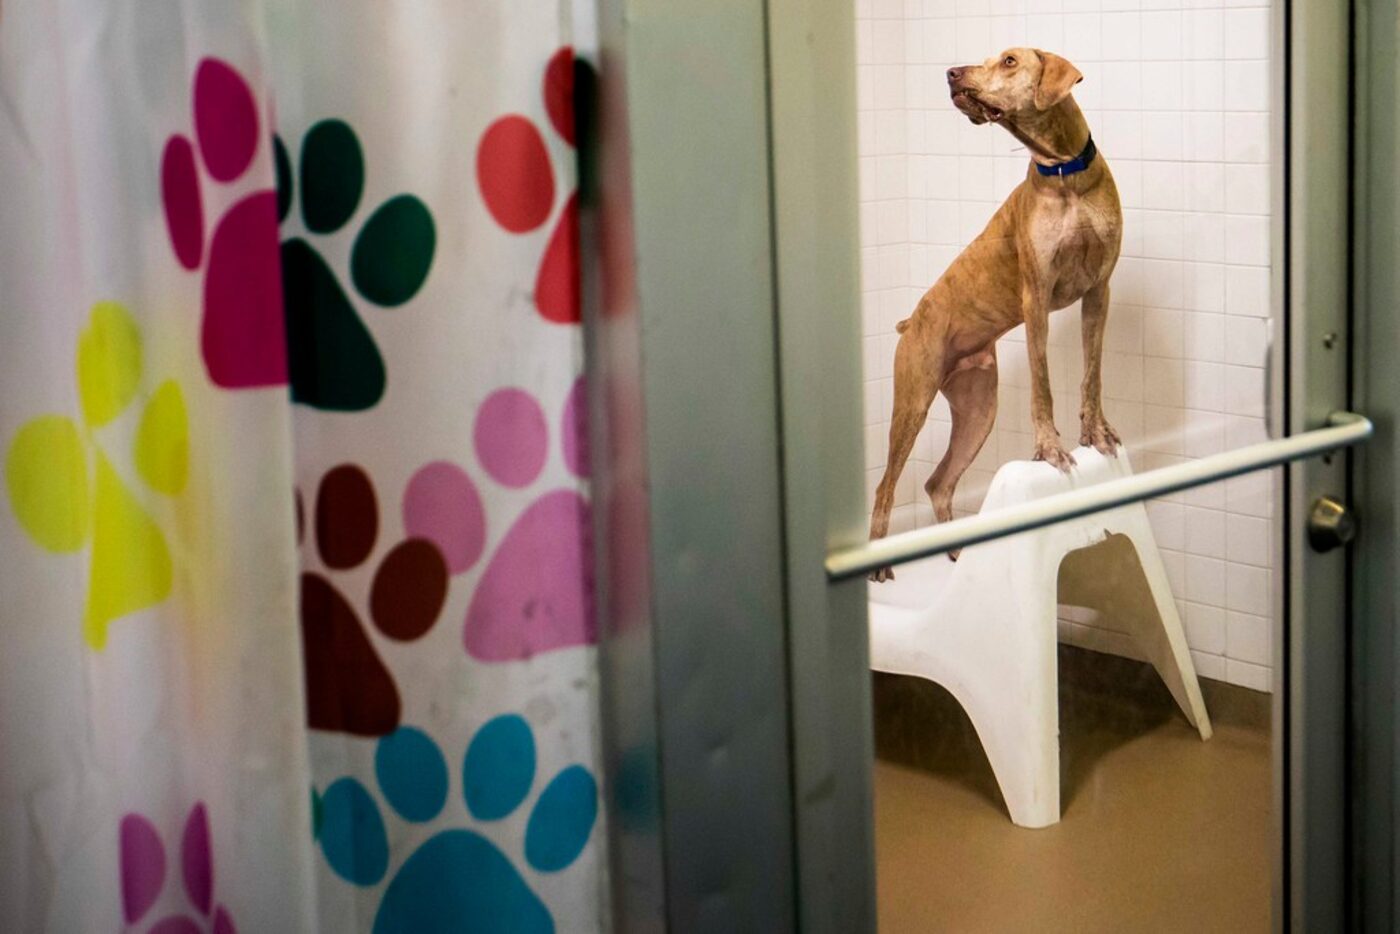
66 493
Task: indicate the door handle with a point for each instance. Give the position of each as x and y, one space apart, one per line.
1343 429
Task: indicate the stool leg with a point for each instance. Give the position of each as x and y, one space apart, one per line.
1023 746
1123 577
991 642
1006 671
1164 643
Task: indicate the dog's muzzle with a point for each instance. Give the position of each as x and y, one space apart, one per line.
966 100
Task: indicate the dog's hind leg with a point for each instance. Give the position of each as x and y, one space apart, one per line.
915 385
972 399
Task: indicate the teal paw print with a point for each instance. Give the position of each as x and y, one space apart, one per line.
457 880
333 360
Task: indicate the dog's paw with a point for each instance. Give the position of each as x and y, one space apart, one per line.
880 575
1101 437
1054 453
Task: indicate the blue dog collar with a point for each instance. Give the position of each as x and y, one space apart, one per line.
1074 166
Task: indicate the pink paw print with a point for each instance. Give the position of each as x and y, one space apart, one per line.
516 179
536 593
243 337
143 872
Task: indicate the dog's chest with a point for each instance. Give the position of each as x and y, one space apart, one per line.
1076 246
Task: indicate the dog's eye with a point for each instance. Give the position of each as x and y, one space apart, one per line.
1009 61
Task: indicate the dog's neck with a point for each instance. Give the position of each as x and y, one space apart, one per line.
1052 136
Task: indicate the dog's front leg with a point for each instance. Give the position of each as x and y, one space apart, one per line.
1035 307
1094 428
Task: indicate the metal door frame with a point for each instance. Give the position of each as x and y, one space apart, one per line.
1375 650
723 347
735 687
813 113
1317 212
692 491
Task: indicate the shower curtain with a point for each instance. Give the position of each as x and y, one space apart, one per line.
295 560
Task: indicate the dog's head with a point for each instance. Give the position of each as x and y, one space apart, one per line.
1016 82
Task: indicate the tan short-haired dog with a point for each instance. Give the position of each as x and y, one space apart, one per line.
1053 242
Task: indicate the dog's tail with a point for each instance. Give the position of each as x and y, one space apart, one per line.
902 326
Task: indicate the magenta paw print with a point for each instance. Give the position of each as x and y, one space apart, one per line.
143 868
516 179
536 593
242 337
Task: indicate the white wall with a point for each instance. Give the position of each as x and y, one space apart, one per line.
1177 95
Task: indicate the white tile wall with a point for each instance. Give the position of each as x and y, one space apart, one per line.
1177 93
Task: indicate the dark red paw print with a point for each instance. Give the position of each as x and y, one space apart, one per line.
348 687
516 179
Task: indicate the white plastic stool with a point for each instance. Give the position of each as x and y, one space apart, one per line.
985 628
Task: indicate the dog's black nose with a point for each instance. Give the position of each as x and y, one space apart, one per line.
954 74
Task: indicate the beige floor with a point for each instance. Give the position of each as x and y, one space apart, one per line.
1160 831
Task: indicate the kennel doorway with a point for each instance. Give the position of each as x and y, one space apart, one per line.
741 330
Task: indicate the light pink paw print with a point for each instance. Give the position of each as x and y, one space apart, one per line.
143 872
536 593
516 180
243 337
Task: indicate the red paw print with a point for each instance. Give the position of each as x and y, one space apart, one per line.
516 180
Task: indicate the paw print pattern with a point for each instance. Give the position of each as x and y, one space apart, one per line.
67 494
335 362
458 880
516 180
536 594
143 872
348 687
242 336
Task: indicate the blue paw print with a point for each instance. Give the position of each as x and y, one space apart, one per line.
457 880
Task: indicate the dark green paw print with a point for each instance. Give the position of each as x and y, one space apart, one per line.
334 361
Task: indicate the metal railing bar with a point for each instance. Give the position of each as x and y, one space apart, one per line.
1343 430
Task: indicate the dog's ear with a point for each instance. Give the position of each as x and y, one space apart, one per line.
1057 78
